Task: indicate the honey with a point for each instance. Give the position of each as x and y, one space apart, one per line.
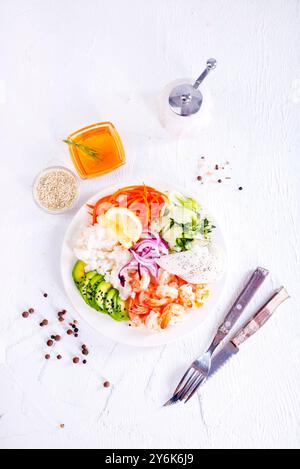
105 150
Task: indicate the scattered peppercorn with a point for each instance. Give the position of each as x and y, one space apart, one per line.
47 357
76 330
73 325
76 360
240 188
84 362
25 315
50 343
76 335
106 384
219 181
59 357
53 337
217 167
45 295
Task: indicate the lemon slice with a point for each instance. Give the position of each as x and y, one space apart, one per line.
126 225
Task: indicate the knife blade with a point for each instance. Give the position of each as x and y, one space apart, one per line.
253 326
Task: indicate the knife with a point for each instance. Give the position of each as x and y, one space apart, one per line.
253 326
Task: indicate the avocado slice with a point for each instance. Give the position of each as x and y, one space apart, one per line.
100 295
115 307
110 302
85 282
91 288
78 272
121 310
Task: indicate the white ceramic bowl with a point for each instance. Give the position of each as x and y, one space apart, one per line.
44 173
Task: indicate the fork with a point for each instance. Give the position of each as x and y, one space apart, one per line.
198 372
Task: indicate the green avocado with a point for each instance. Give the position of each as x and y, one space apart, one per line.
121 310
110 302
100 295
92 287
115 307
83 286
78 272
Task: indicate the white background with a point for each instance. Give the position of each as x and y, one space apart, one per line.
68 63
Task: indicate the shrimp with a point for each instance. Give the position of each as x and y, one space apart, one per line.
187 296
172 314
140 284
167 291
153 321
164 278
137 320
137 309
147 300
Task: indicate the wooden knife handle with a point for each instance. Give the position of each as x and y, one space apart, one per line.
260 319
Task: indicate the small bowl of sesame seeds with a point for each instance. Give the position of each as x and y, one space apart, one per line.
56 190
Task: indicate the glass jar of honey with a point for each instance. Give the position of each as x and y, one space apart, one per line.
96 150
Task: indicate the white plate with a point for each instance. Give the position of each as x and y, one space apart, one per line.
121 332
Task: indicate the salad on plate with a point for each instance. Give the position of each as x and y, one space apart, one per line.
146 257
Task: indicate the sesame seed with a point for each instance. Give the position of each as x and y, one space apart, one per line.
56 190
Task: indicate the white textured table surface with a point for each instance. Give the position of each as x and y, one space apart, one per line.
67 63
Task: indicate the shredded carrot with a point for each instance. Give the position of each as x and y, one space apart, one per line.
146 202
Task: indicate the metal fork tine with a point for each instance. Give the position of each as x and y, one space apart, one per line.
181 393
181 382
196 386
171 401
181 387
189 384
